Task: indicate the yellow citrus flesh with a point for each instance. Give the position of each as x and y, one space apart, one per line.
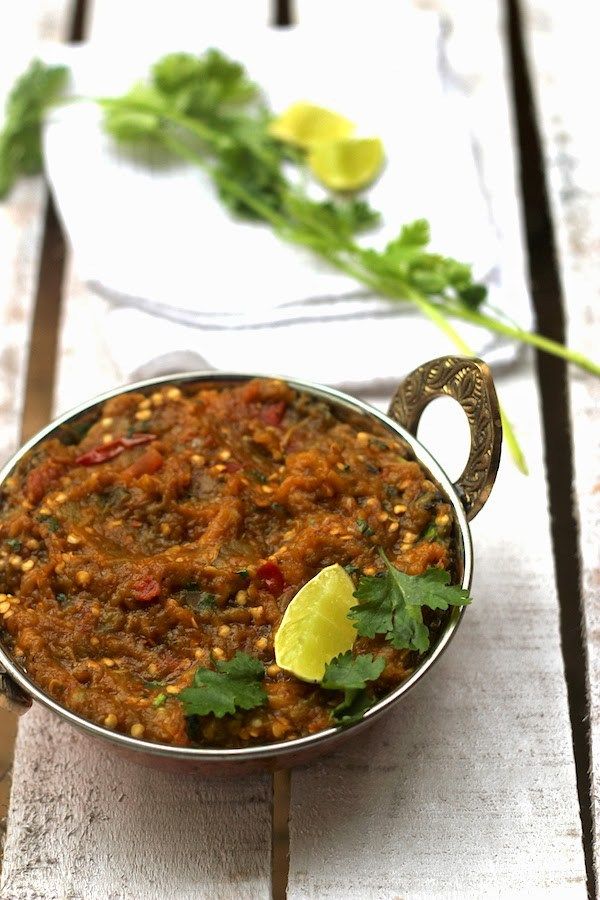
348 164
304 125
315 627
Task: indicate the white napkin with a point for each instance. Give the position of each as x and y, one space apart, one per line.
190 286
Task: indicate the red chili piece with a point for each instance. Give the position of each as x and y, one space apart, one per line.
271 577
145 589
108 451
273 413
233 466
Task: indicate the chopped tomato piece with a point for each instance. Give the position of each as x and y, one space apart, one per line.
39 480
148 462
272 578
145 589
273 413
233 466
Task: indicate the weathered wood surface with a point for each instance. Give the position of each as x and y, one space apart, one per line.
469 788
564 65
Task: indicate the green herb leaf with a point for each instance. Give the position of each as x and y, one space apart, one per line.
391 604
236 684
51 522
198 600
350 674
14 544
20 138
364 527
258 476
352 708
430 532
159 700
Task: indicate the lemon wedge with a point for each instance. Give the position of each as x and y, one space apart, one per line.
315 627
304 125
348 164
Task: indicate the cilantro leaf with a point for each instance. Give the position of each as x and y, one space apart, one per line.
204 83
364 527
350 674
201 601
391 604
352 708
236 684
20 138
347 672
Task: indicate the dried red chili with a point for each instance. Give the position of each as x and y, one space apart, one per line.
104 452
272 578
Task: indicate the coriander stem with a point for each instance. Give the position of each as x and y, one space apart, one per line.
436 316
527 337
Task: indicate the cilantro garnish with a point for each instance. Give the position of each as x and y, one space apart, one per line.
14 544
391 604
205 110
430 532
350 674
159 700
20 139
198 600
258 476
236 684
50 522
364 527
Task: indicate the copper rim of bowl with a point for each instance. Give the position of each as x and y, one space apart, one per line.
271 750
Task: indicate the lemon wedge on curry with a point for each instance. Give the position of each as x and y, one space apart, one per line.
304 125
315 627
348 164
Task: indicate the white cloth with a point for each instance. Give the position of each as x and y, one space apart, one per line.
156 241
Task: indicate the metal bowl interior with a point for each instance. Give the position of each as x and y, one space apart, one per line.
271 755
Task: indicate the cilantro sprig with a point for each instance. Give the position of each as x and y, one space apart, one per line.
351 674
205 110
20 138
392 602
236 684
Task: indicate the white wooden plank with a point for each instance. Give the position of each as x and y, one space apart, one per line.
564 66
469 788
87 826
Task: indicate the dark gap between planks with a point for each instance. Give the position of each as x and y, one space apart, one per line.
548 300
283 15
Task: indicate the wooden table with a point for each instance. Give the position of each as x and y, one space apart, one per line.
495 797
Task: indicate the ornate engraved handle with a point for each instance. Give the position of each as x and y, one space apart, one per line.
469 382
12 697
